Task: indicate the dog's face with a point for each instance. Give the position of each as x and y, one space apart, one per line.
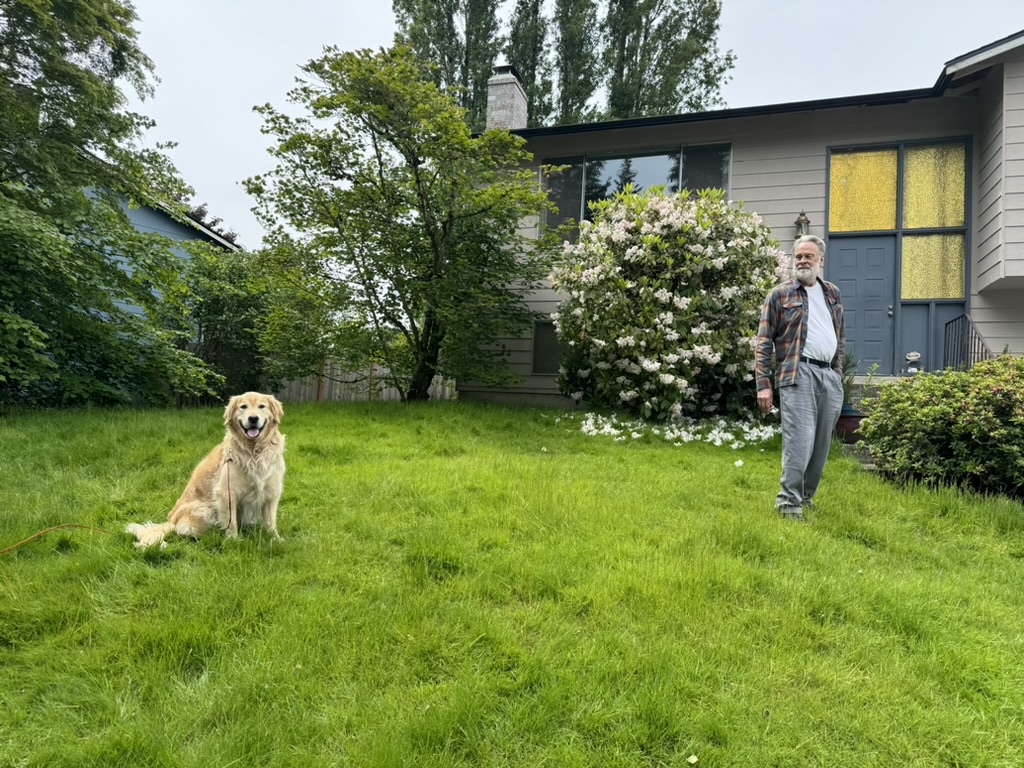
253 414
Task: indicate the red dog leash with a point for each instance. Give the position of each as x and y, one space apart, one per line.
54 528
231 508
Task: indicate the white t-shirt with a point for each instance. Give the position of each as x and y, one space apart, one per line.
821 333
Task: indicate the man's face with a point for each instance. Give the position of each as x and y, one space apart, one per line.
808 263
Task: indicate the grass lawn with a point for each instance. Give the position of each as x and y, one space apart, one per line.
470 585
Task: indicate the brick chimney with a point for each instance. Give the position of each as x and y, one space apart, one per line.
506 99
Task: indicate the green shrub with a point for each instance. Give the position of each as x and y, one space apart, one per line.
958 428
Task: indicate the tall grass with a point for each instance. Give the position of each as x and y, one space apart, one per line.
464 585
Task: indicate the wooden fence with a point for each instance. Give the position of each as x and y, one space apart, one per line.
339 385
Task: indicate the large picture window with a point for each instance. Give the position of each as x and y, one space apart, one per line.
588 178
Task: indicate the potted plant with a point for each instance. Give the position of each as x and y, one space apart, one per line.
850 416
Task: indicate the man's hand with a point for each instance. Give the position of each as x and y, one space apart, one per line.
764 399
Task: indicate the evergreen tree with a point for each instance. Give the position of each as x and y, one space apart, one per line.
527 50
577 46
647 56
460 40
661 57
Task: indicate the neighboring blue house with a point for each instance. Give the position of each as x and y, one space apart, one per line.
159 220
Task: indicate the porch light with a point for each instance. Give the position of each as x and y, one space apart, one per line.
803 224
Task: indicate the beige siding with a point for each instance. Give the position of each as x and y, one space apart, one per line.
996 308
1014 167
988 191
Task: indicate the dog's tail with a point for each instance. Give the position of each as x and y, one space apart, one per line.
148 534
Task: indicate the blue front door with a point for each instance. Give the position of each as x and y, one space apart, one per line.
864 268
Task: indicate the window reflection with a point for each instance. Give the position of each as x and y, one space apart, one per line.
589 179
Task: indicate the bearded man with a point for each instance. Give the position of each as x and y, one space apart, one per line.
802 321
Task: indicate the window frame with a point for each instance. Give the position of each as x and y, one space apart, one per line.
900 230
665 150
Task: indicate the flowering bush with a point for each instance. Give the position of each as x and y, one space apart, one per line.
663 295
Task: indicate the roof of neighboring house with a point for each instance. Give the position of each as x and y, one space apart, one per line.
218 239
963 70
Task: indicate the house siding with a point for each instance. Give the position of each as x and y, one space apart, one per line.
988 196
773 175
998 246
1014 167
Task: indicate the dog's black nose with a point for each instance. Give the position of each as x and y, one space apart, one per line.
254 419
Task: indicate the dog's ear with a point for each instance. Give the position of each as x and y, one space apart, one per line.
229 409
276 409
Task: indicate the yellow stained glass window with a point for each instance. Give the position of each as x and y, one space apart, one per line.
933 190
933 267
862 191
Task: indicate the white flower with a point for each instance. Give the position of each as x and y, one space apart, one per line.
739 462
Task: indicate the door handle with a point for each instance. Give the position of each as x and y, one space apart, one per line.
890 310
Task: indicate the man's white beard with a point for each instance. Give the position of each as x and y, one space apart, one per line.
807 275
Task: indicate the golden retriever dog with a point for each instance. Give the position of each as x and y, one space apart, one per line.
237 484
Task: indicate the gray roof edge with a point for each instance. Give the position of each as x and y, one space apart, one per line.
190 222
995 47
869 100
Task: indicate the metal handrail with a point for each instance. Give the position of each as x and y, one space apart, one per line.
964 345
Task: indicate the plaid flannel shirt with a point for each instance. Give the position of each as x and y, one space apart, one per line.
783 327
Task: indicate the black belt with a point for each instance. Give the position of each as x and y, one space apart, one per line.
812 361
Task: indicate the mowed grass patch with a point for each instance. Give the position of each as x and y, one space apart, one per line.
465 585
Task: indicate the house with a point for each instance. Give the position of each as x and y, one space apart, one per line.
159 219
919 195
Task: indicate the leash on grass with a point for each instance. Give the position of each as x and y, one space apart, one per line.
98 530
54 528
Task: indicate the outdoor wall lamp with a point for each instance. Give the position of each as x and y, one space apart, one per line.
803 224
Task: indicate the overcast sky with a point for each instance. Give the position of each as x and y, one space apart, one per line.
217 59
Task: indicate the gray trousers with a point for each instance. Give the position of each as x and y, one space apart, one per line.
810 410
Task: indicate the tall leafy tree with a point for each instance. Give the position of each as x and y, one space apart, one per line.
577 59
460 37
79 286
661 57
391 194
527 50
580 60
224 303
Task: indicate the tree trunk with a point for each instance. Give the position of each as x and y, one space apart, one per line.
426 362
